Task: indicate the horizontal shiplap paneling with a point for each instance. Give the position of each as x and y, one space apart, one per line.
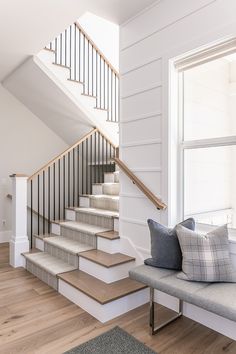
143 129
142 78
162 42
162 15
142 103
142 211
144 156
151 179
138 233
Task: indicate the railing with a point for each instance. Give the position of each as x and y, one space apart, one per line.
76 51
59 183
156 201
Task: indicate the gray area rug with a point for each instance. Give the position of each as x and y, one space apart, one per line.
115 341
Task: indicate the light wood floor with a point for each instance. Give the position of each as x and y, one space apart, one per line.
36 319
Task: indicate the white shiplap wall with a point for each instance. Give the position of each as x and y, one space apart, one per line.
165 30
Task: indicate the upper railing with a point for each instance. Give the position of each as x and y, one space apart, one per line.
58 184
75 50
156 201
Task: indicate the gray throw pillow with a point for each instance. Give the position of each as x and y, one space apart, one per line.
165 249
206 257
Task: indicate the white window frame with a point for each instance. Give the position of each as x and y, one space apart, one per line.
178 145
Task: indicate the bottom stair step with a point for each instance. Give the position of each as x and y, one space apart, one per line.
97 289
103 301
46 267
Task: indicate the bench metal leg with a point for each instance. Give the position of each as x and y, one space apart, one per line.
154 329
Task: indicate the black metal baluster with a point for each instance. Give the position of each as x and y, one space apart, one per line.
43 202
31 213
96 79
103 157
65 47
115 97
38 204
92 72
79 55
108 92
54 191
99 160
95 157
100 82
64 185
70 52
78 175
84 87
106 155
91 163
88 67
59 189
110 158
68 166
61 48
55 50
82 167
111 96
73 178
104 86
75 56
86 157
49 196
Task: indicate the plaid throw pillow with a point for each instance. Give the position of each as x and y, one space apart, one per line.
206 257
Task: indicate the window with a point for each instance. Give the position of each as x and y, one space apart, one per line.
207 138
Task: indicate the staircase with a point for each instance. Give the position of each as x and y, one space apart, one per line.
81 258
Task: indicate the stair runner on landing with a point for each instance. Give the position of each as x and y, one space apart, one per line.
82 251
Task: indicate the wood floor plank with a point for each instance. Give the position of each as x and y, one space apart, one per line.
35 319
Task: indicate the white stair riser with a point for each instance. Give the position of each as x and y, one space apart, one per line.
107 275
104 203
38 243
55 229
97 189
109 177
109 246
116 224
106 188
84 202
111 189
116 177
97 220
104 312
70 215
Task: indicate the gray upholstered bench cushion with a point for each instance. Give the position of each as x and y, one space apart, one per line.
219 298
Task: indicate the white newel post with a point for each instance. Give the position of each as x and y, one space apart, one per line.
19 241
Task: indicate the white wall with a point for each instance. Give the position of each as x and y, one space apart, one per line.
25 145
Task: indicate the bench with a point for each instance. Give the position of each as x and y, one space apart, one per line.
218 298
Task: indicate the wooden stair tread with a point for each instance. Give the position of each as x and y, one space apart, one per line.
110 235
83 227
99 212
97 289
106 259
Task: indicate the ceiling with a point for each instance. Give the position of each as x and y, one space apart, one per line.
26 26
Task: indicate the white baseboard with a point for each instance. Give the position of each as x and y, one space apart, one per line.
5 236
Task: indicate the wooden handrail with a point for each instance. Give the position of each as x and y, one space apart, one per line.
64 153
156 201
97 49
